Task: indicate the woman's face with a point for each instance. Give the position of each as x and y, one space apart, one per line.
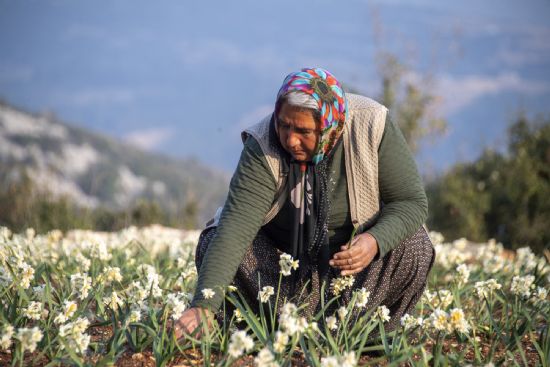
298 132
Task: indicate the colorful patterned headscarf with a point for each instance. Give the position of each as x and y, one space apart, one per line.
330 97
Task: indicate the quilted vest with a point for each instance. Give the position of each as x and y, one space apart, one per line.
362 134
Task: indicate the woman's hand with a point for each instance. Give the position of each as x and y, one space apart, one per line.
191 320
358 256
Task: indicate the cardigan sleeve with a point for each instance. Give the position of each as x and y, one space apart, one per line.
251 194
404 202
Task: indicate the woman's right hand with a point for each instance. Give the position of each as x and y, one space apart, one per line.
191 320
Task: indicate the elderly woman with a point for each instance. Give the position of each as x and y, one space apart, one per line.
323 166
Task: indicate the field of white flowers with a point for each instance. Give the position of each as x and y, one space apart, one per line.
87 298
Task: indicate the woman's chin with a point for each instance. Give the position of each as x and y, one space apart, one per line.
301 157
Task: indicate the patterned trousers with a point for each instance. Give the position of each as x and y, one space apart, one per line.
396 280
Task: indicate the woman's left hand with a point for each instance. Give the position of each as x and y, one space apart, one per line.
352 260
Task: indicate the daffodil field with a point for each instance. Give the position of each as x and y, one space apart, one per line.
100 299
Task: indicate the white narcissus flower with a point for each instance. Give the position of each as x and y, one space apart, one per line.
484 289
457 321
111 274
266 293
6 337
83 261
265 359
348 359
99 250
29 338
177 302
362 298
81 284
521 286
181 263
442 299
73 334
339 284
436 237
289 320
342 313
239 343
152 279
383 313
5 234
409 322
539 296
113 301
281 341
330 361
463 274
136 293
238 315
332 322
427 297
287 263
313 326
495 264
27 275
135 316
189 274
69 309
208 293
526 260
34 311
450 255
438 320
231 288
30 233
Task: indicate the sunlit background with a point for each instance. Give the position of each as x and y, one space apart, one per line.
120 127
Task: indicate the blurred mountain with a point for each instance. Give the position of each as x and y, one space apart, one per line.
93 170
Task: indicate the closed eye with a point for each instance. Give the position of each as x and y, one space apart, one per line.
287 126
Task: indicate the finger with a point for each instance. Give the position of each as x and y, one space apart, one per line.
190 332
351 266
349 254
343 262
345 254
178 332
345 267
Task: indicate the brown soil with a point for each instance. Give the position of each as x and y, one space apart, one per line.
193 357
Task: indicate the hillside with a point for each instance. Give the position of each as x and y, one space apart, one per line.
94 170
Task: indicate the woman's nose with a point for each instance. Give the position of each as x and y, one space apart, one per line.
292 140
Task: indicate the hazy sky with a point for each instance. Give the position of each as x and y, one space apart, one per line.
184 78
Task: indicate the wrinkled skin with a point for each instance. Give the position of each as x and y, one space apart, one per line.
298 132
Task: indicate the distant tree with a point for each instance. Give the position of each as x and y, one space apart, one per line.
23 207
146 212
501 196
526 182
409 100
190 214
15 202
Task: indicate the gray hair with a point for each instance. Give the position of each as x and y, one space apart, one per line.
302 101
